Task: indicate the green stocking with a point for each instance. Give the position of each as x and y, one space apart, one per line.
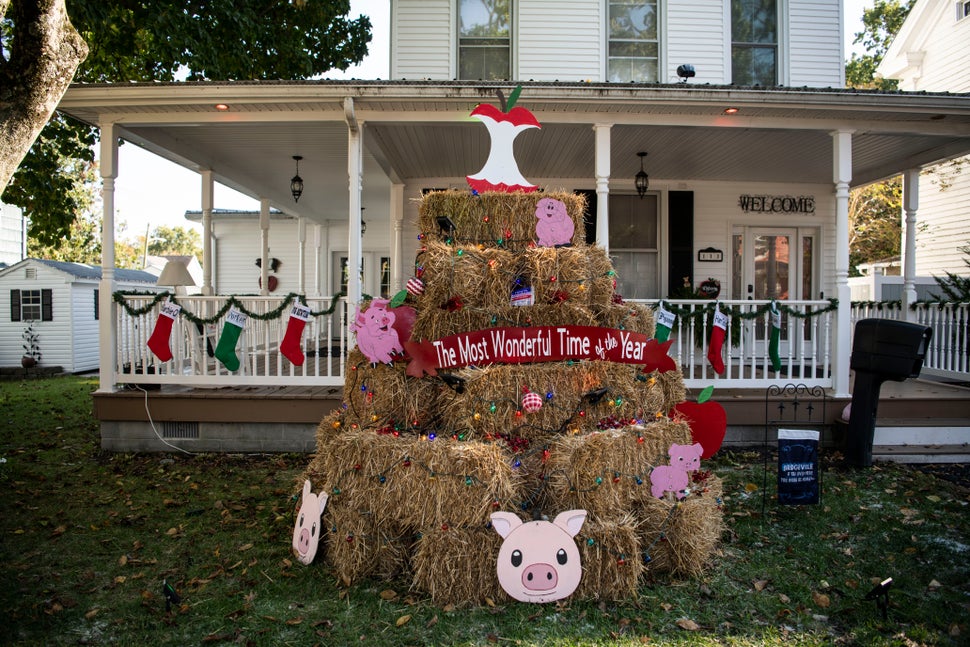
775 336
665 320
226 350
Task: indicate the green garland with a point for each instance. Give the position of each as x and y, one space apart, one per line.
276 313
736 312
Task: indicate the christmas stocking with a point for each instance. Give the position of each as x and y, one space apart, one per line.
717 341
665 321
775 336
291 346
226 350
158 342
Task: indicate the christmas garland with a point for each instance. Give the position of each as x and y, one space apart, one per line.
734 311
120 298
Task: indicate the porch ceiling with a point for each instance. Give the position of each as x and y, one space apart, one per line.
422 130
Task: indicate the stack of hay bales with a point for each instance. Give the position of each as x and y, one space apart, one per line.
415 466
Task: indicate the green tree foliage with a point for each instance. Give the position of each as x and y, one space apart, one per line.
182 241
875 223
880 25
955 287
166 40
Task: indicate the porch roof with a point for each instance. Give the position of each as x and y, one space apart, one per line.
422 129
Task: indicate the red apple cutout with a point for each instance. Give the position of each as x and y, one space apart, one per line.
501 173
708 424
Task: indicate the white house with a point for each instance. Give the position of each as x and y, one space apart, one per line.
13 235
62 301
929 55
750 146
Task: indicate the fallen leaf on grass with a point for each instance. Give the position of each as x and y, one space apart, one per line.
403 620
666 606
294 621
933 585
448 608
784 599
759 585
93 612
432 622
123 560
60 530
821 600
688 625
388 594
750 487
245 547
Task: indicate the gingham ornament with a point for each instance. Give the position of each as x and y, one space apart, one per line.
531 402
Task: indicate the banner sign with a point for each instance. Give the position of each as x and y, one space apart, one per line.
797 467
533 344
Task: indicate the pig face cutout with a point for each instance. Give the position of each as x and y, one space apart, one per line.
554 226
306 533
379 332
538 561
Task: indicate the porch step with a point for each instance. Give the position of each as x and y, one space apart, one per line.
921 440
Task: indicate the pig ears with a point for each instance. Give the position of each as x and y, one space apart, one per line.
699 447
571 521
306 489
322 500
505 522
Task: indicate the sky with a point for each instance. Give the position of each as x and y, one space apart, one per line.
152 192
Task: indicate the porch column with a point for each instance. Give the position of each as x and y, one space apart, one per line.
301 238
108 326
264 246
317 243
397 224
842 175
910 206
602 171
355 169
207 205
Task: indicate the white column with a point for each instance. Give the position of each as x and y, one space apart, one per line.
208 187
910 207
397 243
264 246
841 176
355 156
317 244
108 326
301 239
602 171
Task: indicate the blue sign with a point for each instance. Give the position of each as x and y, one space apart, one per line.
797 467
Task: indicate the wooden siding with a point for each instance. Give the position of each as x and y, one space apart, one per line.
560 40
946 217
815 44
698 37
423 39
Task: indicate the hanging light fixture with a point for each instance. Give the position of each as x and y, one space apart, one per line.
296 184
641 179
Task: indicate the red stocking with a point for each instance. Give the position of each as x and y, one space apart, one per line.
291 346
717 341
158 342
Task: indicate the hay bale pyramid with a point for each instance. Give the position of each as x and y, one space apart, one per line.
521 383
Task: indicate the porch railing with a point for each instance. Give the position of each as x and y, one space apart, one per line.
948 354
324 345
805 346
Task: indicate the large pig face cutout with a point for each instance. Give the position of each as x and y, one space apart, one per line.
306 533
539 561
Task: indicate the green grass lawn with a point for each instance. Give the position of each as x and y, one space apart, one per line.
87 539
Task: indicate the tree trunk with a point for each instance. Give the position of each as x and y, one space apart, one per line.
45 52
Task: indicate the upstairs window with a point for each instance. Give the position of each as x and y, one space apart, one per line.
754 42
484 41
633 48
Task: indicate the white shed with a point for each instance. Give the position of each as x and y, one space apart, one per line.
61 299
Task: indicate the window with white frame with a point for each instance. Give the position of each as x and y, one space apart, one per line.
634 49
634 245
484 40
963 9
754 42
31 305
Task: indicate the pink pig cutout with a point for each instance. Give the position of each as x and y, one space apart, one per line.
673 477
376 337
555 227
306 532
539 561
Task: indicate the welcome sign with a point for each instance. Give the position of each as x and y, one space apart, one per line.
510 345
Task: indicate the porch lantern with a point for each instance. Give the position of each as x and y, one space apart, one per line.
641 179
296 184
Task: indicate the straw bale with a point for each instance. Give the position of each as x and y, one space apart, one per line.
555 270
357 546
384 394
626 316
601 286
457 565
481 276
609 473
611 558
682 543
484 218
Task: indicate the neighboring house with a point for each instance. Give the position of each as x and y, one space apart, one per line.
929 54
751 145
62 301
13 235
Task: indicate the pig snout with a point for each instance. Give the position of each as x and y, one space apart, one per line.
540 577
304 543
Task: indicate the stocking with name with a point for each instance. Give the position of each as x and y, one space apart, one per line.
291 346
717 341
158 343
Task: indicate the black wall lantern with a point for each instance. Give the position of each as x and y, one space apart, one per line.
296 184
641 180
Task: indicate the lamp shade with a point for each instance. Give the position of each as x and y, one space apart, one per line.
175 274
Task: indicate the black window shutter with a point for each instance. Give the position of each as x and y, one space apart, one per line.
97 306
14 305
46 308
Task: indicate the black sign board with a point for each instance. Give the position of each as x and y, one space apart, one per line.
797 466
